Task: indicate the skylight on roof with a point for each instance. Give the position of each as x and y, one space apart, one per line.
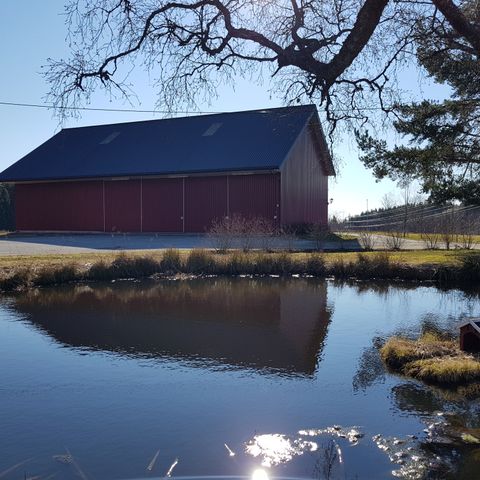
211 129
109 138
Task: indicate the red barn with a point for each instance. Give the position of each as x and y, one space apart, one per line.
176 175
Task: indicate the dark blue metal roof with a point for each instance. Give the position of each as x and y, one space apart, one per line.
251 140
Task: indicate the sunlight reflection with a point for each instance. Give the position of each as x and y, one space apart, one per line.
259 474
275 449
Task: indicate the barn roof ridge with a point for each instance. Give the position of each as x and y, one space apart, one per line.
309 106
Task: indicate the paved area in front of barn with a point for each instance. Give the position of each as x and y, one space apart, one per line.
39 244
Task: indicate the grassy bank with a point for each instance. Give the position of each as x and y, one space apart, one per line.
432 359
439 267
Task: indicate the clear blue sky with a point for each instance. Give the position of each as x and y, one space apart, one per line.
33 30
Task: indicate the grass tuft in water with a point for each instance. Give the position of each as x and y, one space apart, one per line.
433 358
315 265
200 262
18 279
48 275
447 370
171 261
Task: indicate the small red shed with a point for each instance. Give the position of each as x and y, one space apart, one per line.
470 335
176 175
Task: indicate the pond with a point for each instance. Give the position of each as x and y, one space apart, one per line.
225 377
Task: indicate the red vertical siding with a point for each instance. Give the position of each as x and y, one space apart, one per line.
255 195
149 205
122 206
205 200
162 201
60 206
304 184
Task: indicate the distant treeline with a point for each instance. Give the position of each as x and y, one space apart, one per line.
7 207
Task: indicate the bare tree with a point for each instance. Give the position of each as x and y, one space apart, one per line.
341 53
389 201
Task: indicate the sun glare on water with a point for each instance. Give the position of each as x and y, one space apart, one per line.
260 474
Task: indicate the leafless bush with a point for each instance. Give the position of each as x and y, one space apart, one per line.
448 227
265 230
223 232
367 240
467 228
226 231
394 240
245 232
430 239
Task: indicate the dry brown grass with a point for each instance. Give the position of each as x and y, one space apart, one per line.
432 358
18 272
445 370
399 351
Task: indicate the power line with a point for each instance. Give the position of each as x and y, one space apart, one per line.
166 112
98 109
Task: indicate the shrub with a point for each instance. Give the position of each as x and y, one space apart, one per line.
315 265
263 264
145 266
469 267
51 275
100 271
171 261
240 264
430 239
200 261
265 230
283 265
223 232
367 240
133 267
372 266
123 267
19 279
338 268
394 240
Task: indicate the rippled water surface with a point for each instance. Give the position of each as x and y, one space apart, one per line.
222 377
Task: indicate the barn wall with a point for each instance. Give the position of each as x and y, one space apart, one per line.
62 206
304 189
123 206
162 205
205 200
183 204
255 196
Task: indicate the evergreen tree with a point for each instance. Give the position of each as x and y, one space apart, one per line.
443 149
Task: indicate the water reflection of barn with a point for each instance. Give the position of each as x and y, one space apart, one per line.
262 324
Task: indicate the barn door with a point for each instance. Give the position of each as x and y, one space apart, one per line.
162 205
